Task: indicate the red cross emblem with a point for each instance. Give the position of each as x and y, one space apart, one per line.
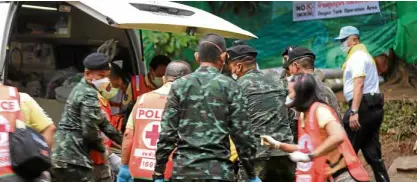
150 134
305 148
153 135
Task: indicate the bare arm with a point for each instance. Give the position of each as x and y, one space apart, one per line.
127 146
335 138
357 92
48 134
288 147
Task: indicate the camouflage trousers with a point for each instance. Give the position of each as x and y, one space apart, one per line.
272 169
72 173
102 173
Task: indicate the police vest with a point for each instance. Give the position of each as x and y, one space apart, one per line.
148 113
9 113
318 170
96 156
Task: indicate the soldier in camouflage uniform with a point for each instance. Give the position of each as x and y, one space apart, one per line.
301 60
77 133
283 79
267 113
202 110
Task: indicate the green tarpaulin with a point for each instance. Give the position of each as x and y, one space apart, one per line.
273 23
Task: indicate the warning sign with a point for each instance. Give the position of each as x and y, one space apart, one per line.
150 134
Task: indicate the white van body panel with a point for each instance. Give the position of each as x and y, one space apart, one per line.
123 14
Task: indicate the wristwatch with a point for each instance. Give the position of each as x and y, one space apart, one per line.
310 156
353 112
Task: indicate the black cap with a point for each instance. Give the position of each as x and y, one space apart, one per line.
239 42
97 61
298 53
239 51
288 49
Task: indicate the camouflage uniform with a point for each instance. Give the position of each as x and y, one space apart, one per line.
202 110
268 115
77 135
328 95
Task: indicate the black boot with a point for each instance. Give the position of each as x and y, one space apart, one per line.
380 172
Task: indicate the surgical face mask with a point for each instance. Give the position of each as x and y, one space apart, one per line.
234 76
289 78
109 94
157 81
344 46
101 83
289 101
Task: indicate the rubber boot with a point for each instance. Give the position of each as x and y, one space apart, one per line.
380 172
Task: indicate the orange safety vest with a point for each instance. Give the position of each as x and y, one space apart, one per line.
139 86
148 115
310 137
9 113
95 155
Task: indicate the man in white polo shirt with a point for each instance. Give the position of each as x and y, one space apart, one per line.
361 90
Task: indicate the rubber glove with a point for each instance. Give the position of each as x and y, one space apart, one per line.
298 156
124 174
255 180
270 142
159 180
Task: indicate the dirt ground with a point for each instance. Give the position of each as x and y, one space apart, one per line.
391 149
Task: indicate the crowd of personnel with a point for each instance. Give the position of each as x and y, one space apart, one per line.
226 121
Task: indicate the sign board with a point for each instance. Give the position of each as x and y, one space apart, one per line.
311 10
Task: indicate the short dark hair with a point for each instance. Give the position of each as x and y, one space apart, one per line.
116 71
210 47
177 69
306 62
159 60
306 92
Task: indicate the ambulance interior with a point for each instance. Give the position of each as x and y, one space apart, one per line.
48 43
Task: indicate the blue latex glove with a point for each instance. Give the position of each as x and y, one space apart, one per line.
124 174
255 180
159 180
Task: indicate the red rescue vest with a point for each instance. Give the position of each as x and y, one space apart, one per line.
95 155
148 115
310 137
139 86
9 113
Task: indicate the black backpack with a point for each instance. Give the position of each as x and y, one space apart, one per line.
29 153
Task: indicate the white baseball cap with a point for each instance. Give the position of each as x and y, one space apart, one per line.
346 32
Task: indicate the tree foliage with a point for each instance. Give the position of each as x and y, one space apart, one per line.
170 44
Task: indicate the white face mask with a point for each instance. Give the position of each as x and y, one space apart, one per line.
289 78
345 48
234 76
157 81
101 83
289 101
